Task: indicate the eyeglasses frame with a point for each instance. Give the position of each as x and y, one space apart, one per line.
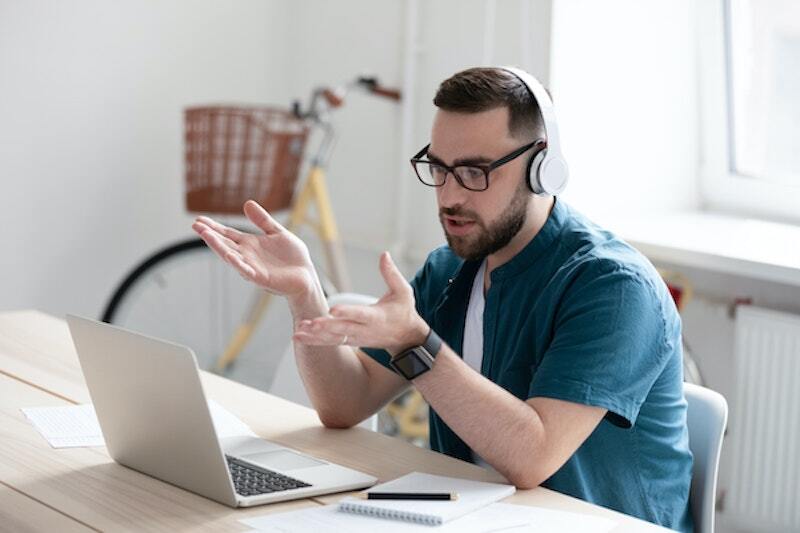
485 168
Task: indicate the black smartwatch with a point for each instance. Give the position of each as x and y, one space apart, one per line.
419 359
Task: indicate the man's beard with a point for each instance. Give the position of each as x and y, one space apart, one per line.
487 241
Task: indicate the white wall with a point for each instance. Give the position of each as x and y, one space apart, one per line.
625 89
366 38
451 38
91 94
91 97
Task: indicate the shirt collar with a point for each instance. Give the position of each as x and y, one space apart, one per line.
466 271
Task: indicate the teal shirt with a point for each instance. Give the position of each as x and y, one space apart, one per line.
578 315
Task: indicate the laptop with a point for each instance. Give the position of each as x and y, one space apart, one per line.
155 419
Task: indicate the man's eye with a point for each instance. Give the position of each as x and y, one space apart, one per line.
469 173
437 170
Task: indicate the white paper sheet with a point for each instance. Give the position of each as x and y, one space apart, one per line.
540 520
66 426
328 518
226 423
76 425
497 517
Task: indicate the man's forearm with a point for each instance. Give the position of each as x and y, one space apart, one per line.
330 374
504 430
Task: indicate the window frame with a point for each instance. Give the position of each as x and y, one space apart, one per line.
721 188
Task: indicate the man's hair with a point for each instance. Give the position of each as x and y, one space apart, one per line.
483 89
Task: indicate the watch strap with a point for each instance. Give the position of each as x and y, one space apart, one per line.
433 343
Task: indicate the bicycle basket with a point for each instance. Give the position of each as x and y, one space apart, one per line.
235 153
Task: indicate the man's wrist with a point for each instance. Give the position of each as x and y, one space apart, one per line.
444 362
417 359
308 304
416 336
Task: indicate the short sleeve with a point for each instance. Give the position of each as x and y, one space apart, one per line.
608 345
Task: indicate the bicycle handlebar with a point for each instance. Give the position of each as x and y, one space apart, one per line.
392 94
334 98
373 86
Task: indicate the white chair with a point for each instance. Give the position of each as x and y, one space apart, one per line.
287 382
707 416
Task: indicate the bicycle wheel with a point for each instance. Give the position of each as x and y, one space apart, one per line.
184 293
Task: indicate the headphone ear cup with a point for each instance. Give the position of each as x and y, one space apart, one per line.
552 176
534 165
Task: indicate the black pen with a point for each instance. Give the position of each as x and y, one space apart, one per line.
445 496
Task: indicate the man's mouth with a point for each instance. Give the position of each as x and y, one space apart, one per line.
458 225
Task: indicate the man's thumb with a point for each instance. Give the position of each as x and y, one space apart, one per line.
391 275
259 216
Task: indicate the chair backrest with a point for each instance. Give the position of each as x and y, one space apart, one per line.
287 382
707 416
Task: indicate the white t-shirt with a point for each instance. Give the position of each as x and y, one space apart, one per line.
473 335
473 328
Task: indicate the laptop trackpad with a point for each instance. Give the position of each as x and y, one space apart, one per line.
281 460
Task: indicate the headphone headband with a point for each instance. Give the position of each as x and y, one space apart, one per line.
551 173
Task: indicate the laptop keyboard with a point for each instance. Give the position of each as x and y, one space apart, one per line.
250 480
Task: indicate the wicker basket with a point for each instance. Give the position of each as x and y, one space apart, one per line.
236 153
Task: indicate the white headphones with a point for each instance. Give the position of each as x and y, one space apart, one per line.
547 170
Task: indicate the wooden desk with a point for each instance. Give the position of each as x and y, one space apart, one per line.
82 489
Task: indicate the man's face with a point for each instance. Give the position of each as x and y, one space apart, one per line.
479 223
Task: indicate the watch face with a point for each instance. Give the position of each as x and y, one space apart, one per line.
411 364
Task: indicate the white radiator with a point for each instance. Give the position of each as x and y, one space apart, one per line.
764 436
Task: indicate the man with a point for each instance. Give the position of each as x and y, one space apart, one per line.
561 362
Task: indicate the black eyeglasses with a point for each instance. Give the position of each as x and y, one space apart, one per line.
473 177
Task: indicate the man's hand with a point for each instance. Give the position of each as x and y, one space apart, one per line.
392 323
277 260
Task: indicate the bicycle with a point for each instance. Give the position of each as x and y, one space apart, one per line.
182 291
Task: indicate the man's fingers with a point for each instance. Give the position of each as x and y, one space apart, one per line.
327 331
231 233
229 255
362 314
212 239
391 275
259 216
317 340
218 243
201 227
244 269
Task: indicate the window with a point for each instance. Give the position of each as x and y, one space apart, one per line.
763 42
749 73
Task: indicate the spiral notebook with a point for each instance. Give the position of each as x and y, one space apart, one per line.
472 495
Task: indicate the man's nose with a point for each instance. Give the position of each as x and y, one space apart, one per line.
451 193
